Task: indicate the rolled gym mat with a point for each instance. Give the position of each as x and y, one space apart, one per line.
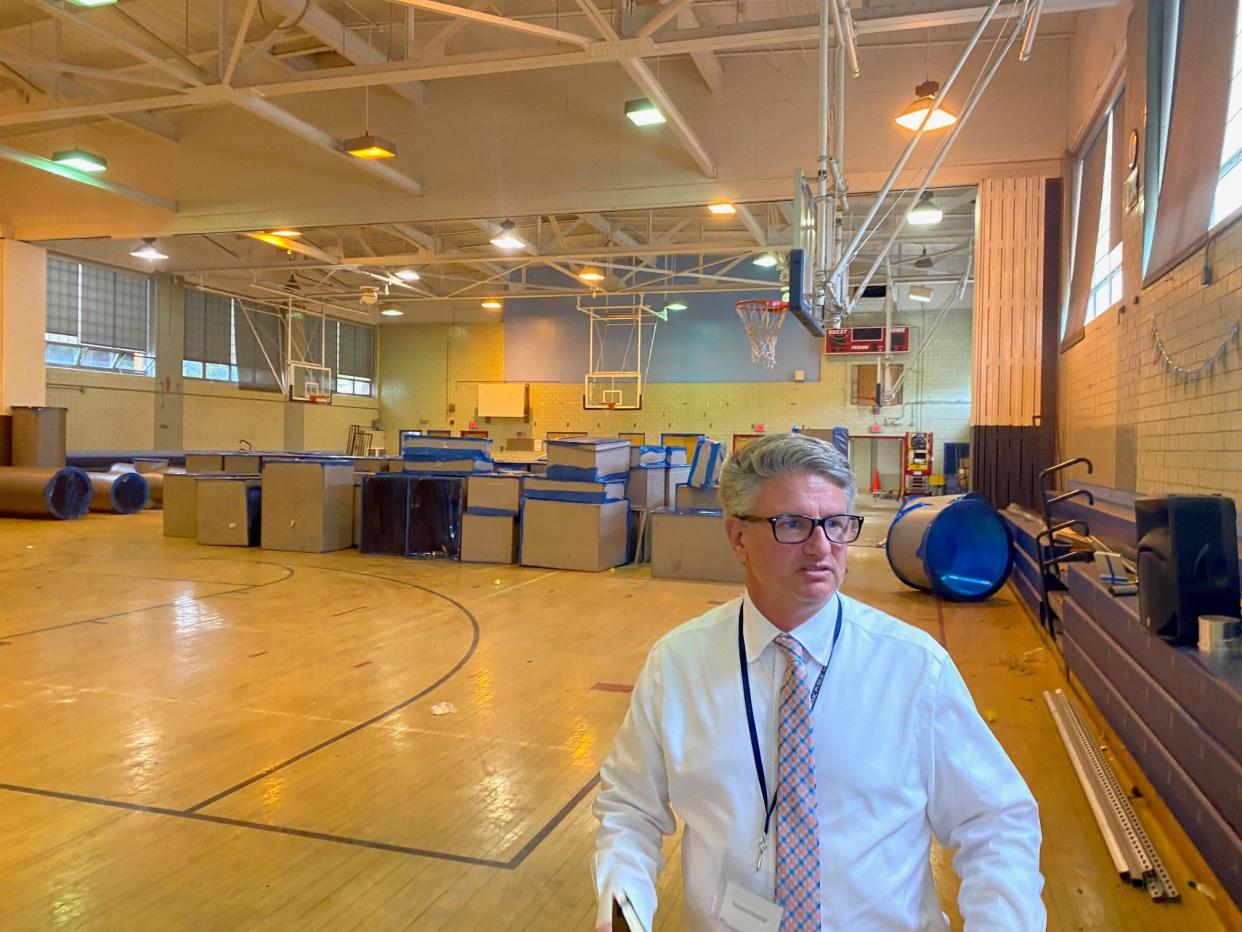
31 491
122 493
956 546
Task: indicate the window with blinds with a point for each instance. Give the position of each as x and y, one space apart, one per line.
227 340
355 367
99 318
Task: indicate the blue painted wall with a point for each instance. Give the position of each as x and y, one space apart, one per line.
547 341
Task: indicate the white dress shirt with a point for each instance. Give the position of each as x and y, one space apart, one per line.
900 753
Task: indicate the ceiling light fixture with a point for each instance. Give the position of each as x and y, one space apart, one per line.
407 275
82 160
506 238
591 275
642 112
920 293
148 250
722 209
675 306
369 147
91 3
492 304
766 261
925 212
392 312
924 261
287 234
924 96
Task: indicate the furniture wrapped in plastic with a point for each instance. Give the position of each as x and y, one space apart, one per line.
412 515
42 492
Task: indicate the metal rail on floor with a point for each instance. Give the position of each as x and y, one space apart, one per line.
1128 845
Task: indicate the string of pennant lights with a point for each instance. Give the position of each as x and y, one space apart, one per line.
1203 370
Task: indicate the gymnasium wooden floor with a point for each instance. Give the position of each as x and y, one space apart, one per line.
213 738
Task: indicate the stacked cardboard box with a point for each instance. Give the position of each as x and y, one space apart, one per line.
489 529
692 545
576 517
446 456
307 505
228 510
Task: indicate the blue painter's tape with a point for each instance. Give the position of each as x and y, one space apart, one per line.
423 454
584 474
582 498
492 512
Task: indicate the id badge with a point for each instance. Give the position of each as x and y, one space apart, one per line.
744 895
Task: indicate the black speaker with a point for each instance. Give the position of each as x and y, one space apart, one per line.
1187 562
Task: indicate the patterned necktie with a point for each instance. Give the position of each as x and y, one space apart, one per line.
797 819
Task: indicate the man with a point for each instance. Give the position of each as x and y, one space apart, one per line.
811 744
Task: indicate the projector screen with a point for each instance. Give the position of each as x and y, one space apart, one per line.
502 399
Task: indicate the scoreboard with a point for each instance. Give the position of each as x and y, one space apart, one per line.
866 340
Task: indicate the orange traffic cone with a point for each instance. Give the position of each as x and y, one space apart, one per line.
875 480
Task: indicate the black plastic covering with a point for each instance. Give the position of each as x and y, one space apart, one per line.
435 518
411 515
385 513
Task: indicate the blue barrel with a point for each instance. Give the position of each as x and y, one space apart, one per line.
956 546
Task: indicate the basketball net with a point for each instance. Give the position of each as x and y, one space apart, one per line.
762 319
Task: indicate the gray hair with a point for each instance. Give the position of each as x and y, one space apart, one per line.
778 455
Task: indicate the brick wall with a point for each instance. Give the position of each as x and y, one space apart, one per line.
426 368
1144 430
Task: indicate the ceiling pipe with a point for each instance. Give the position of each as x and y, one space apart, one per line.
972 101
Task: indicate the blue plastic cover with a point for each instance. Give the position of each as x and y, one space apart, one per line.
583 474
967 551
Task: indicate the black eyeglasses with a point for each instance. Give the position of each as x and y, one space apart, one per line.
797 529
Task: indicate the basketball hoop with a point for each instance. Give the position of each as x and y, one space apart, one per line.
610 405
318 399
762 319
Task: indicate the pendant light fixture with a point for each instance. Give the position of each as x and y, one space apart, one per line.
765 261
506 238
392 312
407 275
148 251
925 213
642 112
368 146
924 261
590 274
911 118
924 96
81 159
920 293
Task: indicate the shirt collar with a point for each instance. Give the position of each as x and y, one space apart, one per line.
814 634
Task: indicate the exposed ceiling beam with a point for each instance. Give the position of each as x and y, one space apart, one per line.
191 75
748 218
638 71
438 44
503 22
101 74
705 61
112 187
329 30
239 42
140 120
314 135
508 61
670 10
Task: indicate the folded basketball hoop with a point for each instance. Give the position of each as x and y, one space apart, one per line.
762 319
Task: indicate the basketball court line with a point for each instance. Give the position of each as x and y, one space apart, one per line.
103 619
353 730
512 864
195 813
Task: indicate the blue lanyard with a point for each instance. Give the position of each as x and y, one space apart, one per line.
770 808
